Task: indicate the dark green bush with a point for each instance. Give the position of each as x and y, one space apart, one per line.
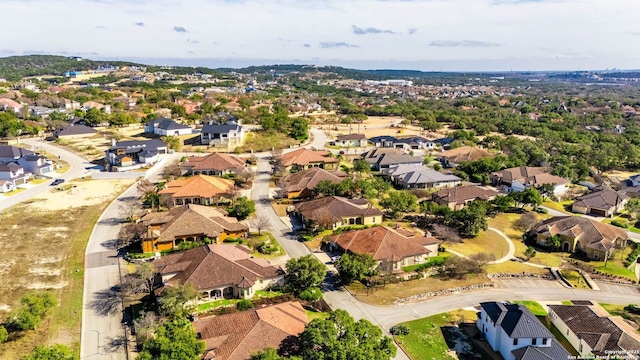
244 304
619 223
400 329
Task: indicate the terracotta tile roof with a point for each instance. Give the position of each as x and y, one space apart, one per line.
198 186
461 194
336 207
303 157
238 335
602 332
601 199
192 220
465 153
591 234
212 266
215 162
383 243
308 179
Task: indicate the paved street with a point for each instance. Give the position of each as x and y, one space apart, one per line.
77 169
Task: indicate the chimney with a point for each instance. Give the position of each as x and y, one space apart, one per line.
113 142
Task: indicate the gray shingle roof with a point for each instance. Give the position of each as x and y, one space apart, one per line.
9 151
516 320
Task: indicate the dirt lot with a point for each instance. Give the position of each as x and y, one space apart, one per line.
93 148
44 242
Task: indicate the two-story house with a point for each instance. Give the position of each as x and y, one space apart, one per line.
166 127
227 134
520 178
332 212
514 332
36 164
13 172
132 152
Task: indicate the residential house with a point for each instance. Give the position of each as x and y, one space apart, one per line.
228 134
166 127
10 152
381 159
198 189
41 111
128 102
603 202
635 180
70 104
454 157
302 184
407 143
383 141
391 248
218 271
593 332
520 178
351 140
132 152
10 105
412 176
6 186
92 104
13 172
36 164
213 164
457 197
236 336
514 332
167 230
592 238
303 158
332 212
74 132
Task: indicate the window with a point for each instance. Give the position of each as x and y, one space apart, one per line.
545 341
374 220
515 341
534 341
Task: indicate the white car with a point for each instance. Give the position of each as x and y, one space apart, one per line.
335 258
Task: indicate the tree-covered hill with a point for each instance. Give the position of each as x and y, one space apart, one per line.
14 68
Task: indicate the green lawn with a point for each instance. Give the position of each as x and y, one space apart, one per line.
254 240
487 241
215 304
316 315
562 206
574 278
622 218
425 339
533 306
615 265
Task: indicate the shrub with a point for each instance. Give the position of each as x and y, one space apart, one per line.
311 294
632 308
244 304
620 223
4 335
400 329
542 210
267 248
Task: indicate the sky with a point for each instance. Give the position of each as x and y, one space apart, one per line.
429 35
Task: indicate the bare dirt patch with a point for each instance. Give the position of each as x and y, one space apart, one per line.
44 241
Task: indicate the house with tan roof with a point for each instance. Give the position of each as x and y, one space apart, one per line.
520 178
593 332
167 230
10 105
198 189
351 140
392 249
302 184
332 212
213 164
457 197
217 272
451 158
237 336
301 159
602 202
592 238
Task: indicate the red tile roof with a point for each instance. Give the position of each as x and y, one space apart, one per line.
336 207
303 157
308 179
198 186
216 162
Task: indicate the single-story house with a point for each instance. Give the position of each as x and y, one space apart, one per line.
451 158
213 164
166 230
520 178
236 336
6 186
593 332
75 131
198 189
228 134
301 159
127 153
166 127
13 172
457 197
580 234
602 202
407 143
302 184
351 140
36 164
218 271
391 248
411 176
10 105
381 159
514 332
332 212
92 104
10 152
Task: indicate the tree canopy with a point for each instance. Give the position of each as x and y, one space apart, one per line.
303 273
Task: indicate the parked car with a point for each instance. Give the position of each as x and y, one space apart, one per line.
57 182
335 258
